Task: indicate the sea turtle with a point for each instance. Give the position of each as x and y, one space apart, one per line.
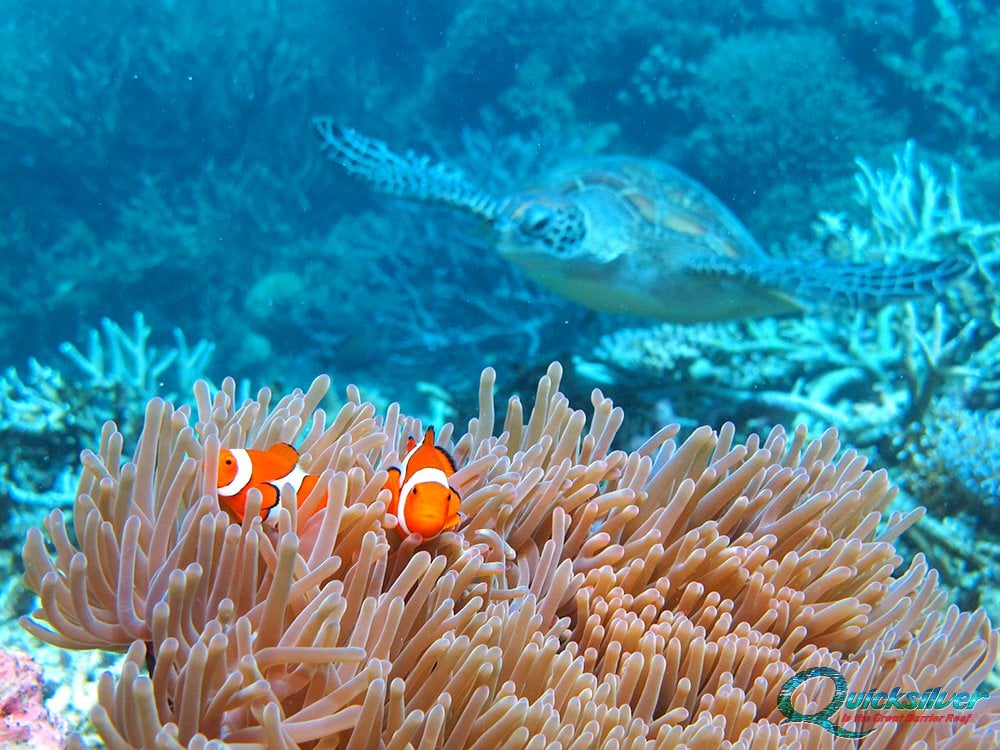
632 235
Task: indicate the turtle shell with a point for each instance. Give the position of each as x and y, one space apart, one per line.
636 236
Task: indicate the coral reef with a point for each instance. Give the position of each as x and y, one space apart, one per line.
24 720
944 58
547 59
125 361
790 129
69 678
48 415
175 104
420 326
590 596
967 559
873 377
954 467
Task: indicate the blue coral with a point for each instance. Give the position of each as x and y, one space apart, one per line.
955 466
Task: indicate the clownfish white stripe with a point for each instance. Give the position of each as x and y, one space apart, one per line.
294 478
404 465
420 476
244 470
401 518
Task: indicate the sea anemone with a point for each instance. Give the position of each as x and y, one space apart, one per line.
591 597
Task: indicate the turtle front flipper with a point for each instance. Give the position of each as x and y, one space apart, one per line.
406 175
857 285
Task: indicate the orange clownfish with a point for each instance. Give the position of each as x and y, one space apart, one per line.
422 499
242 470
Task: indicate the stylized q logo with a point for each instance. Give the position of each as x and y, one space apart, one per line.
822 718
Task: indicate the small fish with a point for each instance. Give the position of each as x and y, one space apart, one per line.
422 499
242 470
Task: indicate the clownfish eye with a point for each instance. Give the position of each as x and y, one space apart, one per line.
229 462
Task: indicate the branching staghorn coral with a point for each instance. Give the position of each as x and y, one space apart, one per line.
911 213
658 598
50 413
119 370
117 358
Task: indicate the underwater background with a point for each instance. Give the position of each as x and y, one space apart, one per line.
168 216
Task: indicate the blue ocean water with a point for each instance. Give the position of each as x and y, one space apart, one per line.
169 214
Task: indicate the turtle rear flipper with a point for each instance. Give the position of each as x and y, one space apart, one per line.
857 285
871 285
407 175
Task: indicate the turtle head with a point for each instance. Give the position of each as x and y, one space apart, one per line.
541 225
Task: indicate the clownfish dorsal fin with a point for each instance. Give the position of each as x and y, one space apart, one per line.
284 454
448 459
448 462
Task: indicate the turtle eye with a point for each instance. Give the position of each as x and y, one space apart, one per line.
539 224
536 220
